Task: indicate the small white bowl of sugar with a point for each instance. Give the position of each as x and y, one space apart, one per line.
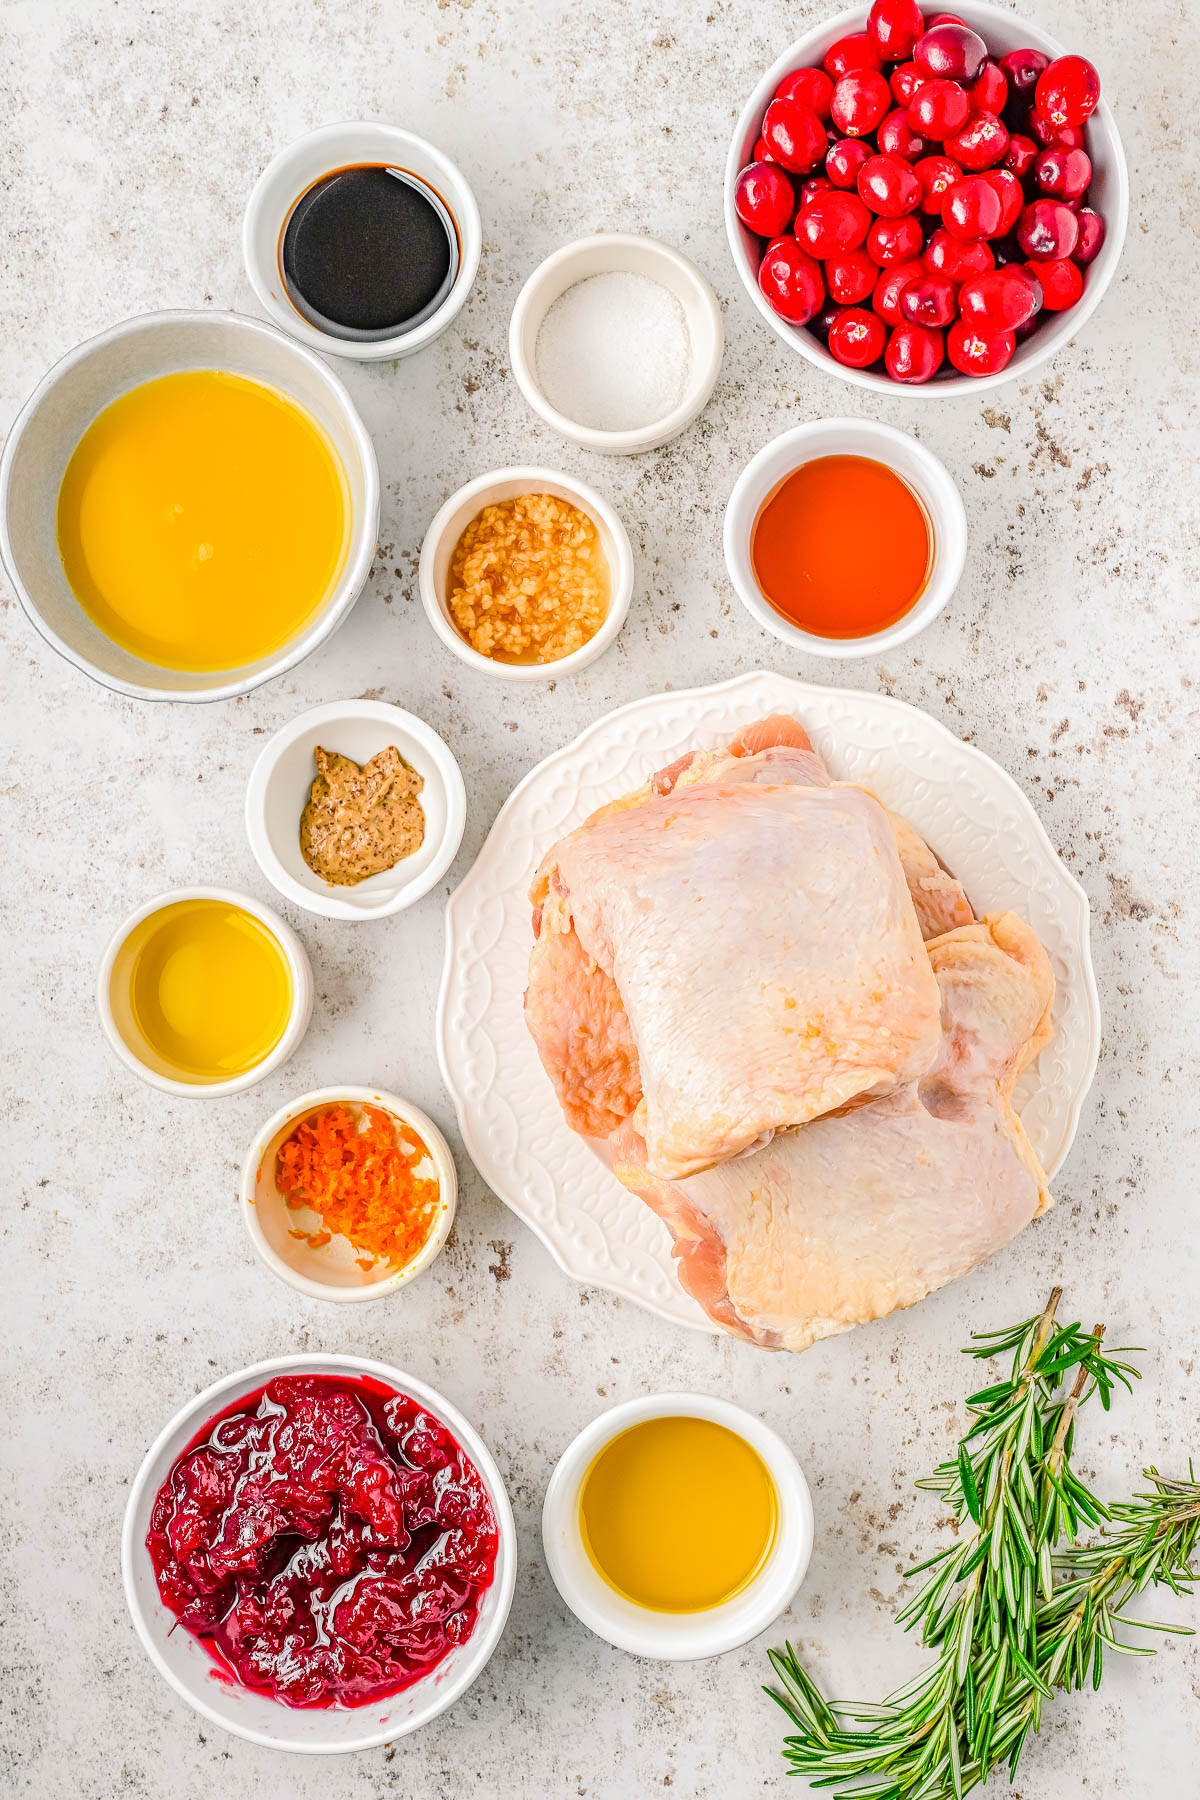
616 342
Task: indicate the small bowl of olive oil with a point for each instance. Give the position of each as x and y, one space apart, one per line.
677 1526
204 992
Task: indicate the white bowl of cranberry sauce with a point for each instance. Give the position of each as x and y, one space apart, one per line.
971 317
319 1554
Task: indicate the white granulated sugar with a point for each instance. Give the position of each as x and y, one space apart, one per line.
614 352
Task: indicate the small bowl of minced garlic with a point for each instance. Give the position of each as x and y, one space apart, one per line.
526 574
355 810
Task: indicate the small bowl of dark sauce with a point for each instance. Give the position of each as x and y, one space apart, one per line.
362 240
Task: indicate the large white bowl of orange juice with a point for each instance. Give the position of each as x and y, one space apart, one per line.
189 505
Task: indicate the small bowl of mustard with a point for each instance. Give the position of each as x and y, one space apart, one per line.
355 810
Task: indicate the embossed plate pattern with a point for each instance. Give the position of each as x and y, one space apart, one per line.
971 813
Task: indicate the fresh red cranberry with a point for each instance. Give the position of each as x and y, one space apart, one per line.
1068 91
975 352
896 136
850 276
810 86
895 26
1021 69
980 144
831 223
844 160
958 261
972 209
815 184
888 186
904 82
891 284
1012 198
1091 235
936 175
764 199
938 109
1063 174
914 353
990 92
857 338
1000 301
794 135
761 153
895 240
790 280
944 19
823 321
953 51
857 50
1021 155
929 300
1045 133
1062 284
860 100
1048 231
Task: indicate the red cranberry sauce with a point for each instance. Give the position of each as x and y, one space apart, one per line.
326 1539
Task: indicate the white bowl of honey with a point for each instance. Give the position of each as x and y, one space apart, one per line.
844 537
189 504
204 992
677 1526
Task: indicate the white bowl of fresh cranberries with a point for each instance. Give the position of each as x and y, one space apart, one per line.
930 199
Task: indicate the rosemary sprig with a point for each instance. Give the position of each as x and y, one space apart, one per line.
1016 1607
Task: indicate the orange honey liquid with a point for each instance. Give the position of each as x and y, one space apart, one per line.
842 548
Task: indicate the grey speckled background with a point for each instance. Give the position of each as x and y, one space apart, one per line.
129 136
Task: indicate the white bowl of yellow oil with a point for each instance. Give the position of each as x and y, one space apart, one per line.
677 1526
297 1243
204 992
189 504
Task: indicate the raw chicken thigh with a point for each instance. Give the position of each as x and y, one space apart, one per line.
765 991
874 1207
764 948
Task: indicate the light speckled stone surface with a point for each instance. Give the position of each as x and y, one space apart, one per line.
129 136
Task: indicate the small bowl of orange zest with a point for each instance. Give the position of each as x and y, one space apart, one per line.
348 1194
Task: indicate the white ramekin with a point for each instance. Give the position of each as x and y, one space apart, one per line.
187 1665
1109 193
607 254
331 1272
290 175
448 526
916 465
676 1637
59 411
302 995
278 792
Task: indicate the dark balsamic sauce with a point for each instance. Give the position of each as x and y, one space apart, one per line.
369 252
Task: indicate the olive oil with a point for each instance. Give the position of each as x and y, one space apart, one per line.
202 520
202 991
678 1514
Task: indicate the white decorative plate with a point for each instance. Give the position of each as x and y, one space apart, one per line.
971 813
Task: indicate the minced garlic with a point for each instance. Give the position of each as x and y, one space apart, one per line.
529 580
